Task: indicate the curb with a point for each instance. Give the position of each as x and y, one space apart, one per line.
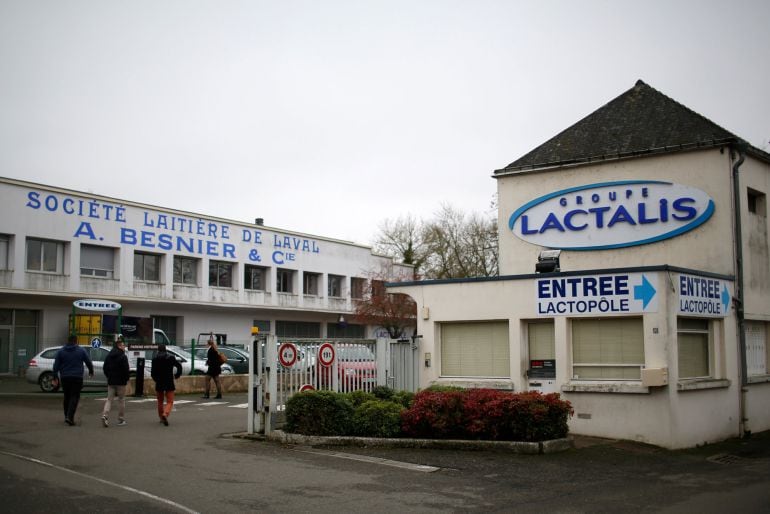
519 447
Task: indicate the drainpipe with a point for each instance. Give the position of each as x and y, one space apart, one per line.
738 297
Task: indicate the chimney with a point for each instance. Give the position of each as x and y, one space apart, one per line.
259 221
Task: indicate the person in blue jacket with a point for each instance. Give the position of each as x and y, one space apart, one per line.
68 367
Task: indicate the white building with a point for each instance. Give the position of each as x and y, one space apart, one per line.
190 273
651 316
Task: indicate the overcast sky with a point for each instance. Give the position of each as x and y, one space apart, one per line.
328 117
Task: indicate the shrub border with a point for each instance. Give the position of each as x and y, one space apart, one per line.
542 447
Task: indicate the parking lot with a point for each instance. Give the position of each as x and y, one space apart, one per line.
198 463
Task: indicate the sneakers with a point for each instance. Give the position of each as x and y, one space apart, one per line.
164 420
105 421
122 423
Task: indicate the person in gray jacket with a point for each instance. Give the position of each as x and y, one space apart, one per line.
68 367
116 370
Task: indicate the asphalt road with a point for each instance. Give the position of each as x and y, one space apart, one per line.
197 465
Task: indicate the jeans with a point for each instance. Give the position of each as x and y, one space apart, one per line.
120 392
71 387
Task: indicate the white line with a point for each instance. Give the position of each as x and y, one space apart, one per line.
374 460
144 400
103 481
239 406
183 401
213 403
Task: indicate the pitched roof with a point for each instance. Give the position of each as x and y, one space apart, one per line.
640 121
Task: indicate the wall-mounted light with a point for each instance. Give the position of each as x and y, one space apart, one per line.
548 261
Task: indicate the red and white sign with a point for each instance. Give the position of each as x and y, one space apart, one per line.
306 387
326 354
287 355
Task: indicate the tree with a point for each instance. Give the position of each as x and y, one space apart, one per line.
395 312
451 245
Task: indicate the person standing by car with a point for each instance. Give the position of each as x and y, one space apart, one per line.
68 367
116 370
214 367
163 366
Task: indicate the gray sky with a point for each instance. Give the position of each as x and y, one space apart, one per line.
327 117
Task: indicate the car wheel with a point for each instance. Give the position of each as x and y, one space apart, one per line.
46 383
227 370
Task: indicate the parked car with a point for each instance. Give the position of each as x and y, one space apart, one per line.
237 358
185 359
356 367
40 368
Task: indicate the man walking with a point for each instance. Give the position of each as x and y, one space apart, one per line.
68 366
116 370
163 365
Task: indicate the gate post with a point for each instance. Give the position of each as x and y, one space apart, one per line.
382 361
271 396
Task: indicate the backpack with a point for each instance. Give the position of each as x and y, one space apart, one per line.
222 357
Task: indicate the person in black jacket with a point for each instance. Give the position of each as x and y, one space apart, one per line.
68 367
116 371
214 368
163 366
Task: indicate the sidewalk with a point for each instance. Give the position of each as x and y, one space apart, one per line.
12 384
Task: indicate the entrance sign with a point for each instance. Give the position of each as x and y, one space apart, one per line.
702 296
590 295
326 354
96 305
611 215
287 355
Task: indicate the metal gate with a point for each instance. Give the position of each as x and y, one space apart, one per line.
284 367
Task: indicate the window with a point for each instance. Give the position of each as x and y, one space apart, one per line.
4 245
542 349
146 267
254 278
310 283
297 329
185 270
756 202
97 261
378 288
284 281
220 274
607 349
357 288
693 340
757 356
335 286
263 325
337 331
475 349
45 256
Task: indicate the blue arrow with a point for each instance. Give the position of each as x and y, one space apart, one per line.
644 292
725 300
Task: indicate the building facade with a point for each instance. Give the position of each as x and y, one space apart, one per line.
190 273
634 279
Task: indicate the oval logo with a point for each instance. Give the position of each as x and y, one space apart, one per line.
96 305
611 215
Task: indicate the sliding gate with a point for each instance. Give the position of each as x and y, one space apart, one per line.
285 367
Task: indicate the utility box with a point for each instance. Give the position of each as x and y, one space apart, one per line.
654 377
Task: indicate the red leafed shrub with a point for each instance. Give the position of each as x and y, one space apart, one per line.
487 414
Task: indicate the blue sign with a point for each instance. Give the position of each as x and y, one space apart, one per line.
611 215
96 342
623 293
702 296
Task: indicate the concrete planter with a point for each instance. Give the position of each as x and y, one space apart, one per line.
189 384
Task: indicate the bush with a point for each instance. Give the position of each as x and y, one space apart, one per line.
487 414
377 418
359 397
383 392
319 413
403 398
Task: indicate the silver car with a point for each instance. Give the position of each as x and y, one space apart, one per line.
40 368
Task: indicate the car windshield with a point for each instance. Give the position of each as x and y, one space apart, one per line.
181 352
355 353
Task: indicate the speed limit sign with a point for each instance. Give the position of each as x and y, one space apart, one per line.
287 355
326 354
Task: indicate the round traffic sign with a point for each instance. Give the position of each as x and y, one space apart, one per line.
287 355
326 354
96 342
306 387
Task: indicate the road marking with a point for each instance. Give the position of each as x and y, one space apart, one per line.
239 406
143 400
183 401
103 481
207 404
374 460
